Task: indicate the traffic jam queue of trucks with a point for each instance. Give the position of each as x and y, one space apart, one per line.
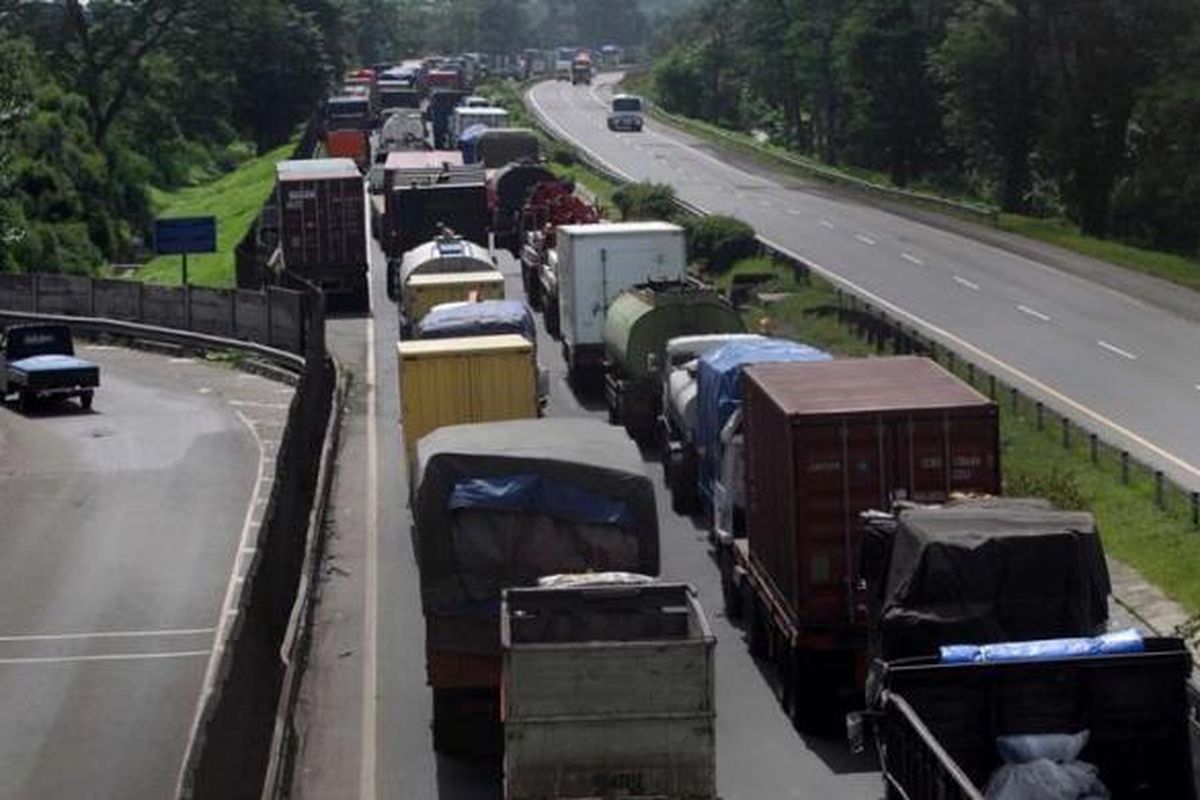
854 509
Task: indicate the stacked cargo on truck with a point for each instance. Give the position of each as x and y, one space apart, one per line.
512 183
595 264
825 442
677 421
324 224
498 506
608 689
498 147
437 113
549 204
637 328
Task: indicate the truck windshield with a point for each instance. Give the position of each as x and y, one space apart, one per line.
347 109
628 104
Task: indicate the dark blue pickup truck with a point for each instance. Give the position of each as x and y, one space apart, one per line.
39 362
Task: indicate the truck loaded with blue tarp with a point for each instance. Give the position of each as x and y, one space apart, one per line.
502 504
719 396
38 361
468 142
483 318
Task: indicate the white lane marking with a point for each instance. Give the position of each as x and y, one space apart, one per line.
827 224
62 637
105 657
256 404
964 282
910 258
1033 313
228 607
99 347
941 333
370 695
795 212
867 240
1112 348
765 203
182 361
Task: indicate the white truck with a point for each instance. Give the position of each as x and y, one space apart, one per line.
595 264
607 690
465 117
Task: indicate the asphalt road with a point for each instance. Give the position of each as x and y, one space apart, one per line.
120 532
364 709
1123 365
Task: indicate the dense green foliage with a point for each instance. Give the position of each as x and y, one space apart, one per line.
645 201
718 242
1087 110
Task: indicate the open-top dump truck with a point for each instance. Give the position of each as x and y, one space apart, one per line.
499 506
608 690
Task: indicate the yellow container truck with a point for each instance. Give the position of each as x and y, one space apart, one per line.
461 380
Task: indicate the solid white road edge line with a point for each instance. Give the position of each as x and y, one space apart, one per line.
370 692
105 657
63 637
940 333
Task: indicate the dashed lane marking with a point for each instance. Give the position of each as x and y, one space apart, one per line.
867 240
910 258
964 282
1033 313
827 224
1112 348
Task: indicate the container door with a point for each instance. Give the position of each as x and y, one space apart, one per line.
844 469
948 452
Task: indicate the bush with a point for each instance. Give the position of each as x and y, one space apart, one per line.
719 242
647 201
1060 488
562 155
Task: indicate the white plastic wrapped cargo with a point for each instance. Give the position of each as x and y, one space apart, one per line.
598 262
608 691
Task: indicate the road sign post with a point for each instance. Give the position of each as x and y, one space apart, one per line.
183 235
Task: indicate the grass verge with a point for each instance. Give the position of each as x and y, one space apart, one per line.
234 199
1168 266
1160 544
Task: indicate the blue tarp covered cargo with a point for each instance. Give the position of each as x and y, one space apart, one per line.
484 318
468 142
719 391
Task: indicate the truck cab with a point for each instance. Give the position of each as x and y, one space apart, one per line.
39 362
626 113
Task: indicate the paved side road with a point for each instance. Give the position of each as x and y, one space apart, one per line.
120 531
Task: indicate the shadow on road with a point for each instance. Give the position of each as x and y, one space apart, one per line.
465 779
50 408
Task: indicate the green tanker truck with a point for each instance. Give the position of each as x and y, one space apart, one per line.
638 324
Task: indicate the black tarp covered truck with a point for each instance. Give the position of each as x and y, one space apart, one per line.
499 505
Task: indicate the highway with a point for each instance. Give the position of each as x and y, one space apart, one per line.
1111 359
364 709
121 532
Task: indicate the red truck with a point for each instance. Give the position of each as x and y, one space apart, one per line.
323 224
352 144
825 442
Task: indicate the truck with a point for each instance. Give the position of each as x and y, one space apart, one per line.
402 129
637 327
717 437
595 264
398 94
498 147
464 379
677 415
563 58
437 113
446 255
512 183
462 118
548 204
825 442
324 224
940 722
498 506
347 112
39 362
478 318
581 69
608 690
417 213
352 144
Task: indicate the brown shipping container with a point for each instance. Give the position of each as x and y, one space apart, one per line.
826 441
323 221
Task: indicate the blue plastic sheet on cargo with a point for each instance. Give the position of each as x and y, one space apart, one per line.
484 318
532 493
719 390
49 363
1126 641
468 142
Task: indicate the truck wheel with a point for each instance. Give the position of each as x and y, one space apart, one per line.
25 402
757 631
85 400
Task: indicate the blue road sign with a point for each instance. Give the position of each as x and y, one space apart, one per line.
185 235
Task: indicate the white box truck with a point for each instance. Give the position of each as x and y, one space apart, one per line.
595 264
